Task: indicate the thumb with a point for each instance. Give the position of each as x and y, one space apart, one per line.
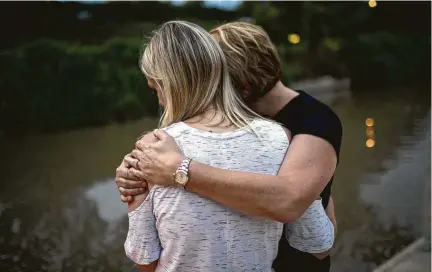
160 134
126 199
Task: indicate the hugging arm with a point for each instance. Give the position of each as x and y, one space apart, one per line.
308 166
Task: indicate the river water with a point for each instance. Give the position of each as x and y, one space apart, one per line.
60 209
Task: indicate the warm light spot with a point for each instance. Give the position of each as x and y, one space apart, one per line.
372 3
369 122
294 38
370 143
370 132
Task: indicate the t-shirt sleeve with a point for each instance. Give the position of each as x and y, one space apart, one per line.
313 232
142 244
324 124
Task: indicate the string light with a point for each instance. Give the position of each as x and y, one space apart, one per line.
370 143
370 132
294 38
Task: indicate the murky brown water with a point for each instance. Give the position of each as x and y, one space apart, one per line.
60 209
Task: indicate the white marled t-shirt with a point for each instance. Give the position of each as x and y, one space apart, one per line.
189 233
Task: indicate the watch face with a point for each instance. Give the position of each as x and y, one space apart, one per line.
181 178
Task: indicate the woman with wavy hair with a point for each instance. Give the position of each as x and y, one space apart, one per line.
172 229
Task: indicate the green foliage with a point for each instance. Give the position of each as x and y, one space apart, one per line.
371 46
50 85
389 58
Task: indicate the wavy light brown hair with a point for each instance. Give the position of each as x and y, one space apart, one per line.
253 61
191 70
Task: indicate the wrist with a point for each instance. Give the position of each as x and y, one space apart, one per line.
181 175
188 186
176 162
173 166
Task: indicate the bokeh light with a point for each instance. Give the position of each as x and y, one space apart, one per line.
294 38
372 3
370 143
370 132
369 122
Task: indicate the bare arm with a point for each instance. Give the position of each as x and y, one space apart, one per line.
306 170
308 166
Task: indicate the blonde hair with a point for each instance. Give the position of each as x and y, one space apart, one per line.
191 70
253 61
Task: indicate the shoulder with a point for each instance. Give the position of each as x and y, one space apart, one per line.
148 137
271 130
312 111
267 126
304 110
312 117
176 130
321 122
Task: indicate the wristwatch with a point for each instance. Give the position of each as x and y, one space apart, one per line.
181 175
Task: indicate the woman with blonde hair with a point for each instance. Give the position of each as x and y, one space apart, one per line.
255 69
172 229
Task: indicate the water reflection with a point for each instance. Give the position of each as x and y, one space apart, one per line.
60 209
379 192
54 205
396 194
104 193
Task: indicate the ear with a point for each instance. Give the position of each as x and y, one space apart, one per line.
246 91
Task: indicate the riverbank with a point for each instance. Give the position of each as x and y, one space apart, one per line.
414 258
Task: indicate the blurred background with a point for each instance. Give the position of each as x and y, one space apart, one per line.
73 101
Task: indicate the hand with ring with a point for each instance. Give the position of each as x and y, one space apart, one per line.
129 184
154 160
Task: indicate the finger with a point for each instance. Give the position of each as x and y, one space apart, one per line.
126 199
130 184
137 174
160 134
122 172
124 163
131 192
137 154
131 161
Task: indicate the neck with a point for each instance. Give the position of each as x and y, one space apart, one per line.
208 116
271 103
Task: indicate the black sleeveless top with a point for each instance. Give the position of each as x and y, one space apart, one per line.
306 115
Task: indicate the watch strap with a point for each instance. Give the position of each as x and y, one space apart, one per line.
184 165
183 168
